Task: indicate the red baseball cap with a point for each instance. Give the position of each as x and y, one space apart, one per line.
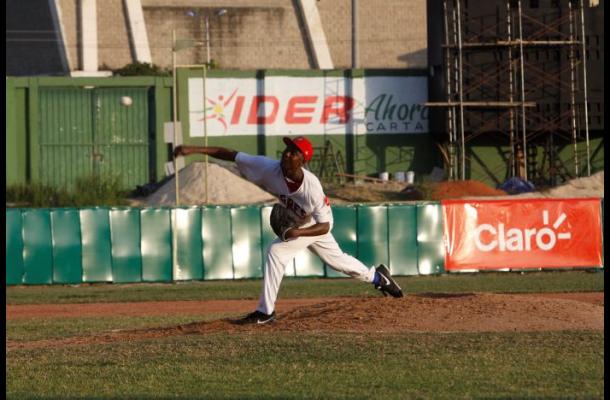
303 144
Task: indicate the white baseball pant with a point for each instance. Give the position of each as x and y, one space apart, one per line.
280 253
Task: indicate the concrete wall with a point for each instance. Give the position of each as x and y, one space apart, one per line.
114 48
70 23
270 34
252 37
257 34
392 33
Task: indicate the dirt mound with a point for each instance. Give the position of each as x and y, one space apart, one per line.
432 312
445 313
458 189
225 186
590 186
398 192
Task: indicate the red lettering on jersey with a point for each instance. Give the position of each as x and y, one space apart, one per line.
326 201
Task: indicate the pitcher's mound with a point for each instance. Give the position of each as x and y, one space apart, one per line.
473 312
445 313
428 312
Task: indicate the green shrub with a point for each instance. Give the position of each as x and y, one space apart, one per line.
86 191
141 69
37 195
98 191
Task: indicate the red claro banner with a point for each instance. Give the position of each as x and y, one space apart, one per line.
522 233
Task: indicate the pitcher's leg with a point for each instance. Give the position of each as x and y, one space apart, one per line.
329 251
279 254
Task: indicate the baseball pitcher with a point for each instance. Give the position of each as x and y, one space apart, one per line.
302 219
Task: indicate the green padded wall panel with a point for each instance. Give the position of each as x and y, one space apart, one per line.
402 236
156 244
431 253
126 252
67 247
96 245
247 242
189 242
14 247
217 249
37 247
373 235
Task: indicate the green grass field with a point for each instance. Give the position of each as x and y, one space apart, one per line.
297 365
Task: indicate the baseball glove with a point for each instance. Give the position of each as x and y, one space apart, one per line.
282 220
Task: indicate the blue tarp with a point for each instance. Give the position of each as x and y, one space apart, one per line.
516 185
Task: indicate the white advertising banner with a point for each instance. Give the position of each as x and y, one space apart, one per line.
309 105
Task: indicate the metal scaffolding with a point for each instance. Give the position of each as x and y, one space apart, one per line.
521 76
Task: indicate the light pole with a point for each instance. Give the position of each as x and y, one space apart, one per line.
175 114
178 45
205 66
205 77
218 13
355 55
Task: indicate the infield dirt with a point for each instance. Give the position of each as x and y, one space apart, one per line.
424 312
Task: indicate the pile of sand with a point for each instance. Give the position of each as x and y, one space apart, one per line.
588 186
225 186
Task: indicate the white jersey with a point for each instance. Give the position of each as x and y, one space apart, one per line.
308 202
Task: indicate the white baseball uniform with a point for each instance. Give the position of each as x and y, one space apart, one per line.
307 201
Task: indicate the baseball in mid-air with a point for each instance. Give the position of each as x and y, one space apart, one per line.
126 101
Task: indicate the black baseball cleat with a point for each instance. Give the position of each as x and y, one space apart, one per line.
256 318
387 285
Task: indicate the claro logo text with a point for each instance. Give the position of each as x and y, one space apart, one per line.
488 237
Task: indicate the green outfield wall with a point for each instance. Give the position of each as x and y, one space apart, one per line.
168 244
121 245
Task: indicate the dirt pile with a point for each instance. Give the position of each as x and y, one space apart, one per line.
225 186
399 192
590 186
458 189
